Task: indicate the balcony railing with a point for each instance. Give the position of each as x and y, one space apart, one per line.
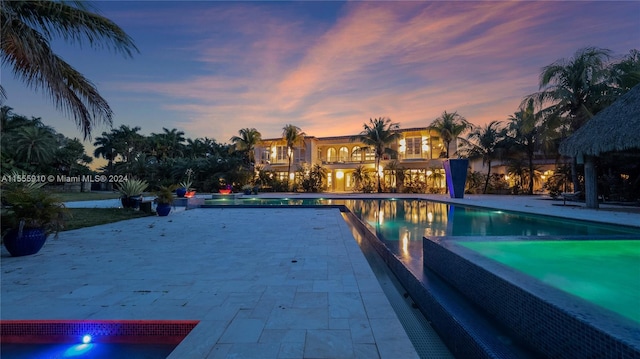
332 160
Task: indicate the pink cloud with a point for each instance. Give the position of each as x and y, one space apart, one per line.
409 61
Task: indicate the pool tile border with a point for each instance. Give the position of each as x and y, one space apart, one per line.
104 331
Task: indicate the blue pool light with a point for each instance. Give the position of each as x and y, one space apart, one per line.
86 339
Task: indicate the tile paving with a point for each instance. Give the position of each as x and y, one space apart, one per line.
302 289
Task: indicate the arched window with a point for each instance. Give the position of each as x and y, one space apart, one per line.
331 155
343 154
356 154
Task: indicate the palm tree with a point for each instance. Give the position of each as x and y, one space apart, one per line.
34 144
450 126
127 142
105 148
378 134
293 136
577 89
246 142
27 29
169 144
485 143
626 73
526 131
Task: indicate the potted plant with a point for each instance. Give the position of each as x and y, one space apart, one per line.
29 215
131 192
247 189
185 186
164 200
225 189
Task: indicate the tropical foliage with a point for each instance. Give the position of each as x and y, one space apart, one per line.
294 137
246 142
486 143
450 126
28 28
313 179
377 135
30 146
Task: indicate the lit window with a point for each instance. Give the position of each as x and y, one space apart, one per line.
414 146
331 155
281 153
343 154
370 155
356 154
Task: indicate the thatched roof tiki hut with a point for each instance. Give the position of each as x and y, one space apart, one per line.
614 129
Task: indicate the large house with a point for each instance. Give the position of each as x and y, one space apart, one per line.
419 152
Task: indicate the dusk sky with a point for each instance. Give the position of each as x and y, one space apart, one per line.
211 68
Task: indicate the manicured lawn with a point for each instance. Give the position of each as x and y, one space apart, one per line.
86 196
88 217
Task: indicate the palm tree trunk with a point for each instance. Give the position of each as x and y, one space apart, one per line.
288 171
531 174
486 182
378 174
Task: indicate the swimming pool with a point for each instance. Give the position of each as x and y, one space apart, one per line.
604 272
402 223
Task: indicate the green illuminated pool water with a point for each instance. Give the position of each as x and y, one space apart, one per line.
604 272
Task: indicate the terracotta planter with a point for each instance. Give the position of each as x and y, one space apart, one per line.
30 242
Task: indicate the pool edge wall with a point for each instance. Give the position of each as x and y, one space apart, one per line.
539 324
462 339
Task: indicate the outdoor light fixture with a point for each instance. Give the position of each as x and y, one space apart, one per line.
86 339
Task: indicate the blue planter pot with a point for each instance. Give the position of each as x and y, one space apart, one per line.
30 242
163 209
180 192
456 174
